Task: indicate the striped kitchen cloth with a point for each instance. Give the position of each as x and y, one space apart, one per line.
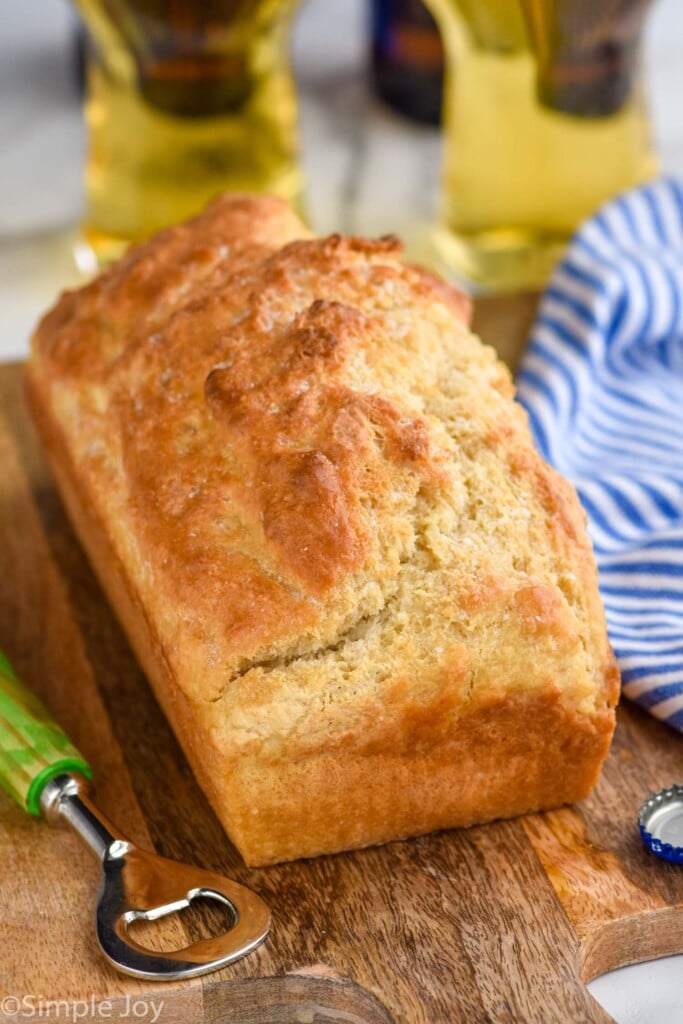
602 381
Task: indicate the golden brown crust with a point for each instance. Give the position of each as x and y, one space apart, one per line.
502 761
323 524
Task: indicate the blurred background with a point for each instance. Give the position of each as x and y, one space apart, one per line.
368 168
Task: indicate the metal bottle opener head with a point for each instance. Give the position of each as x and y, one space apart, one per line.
140 886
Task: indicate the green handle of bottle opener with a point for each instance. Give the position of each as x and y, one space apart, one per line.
33 748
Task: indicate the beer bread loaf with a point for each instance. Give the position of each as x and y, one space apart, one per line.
367 606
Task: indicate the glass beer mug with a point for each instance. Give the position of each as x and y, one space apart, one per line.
544 120
184 100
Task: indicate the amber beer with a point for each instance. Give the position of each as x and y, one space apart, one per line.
185 98
544 120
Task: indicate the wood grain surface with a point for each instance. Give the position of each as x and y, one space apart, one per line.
502 923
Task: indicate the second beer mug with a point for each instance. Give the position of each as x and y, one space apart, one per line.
184 100
544 120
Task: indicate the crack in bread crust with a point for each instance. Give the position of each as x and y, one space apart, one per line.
354 633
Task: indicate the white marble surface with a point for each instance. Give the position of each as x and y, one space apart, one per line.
368 171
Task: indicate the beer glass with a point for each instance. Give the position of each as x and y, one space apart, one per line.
184 100
544 120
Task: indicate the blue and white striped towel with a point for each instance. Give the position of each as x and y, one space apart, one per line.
602 381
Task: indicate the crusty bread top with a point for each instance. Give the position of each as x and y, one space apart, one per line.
316 477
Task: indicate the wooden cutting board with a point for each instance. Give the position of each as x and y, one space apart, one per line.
500 923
